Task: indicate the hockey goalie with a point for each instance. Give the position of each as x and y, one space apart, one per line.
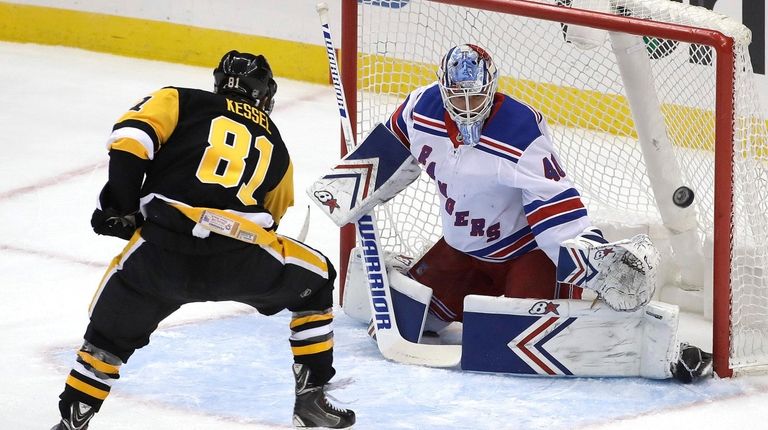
518 247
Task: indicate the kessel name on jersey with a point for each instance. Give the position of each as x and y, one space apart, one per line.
249 112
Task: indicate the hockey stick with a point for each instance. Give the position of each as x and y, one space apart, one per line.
390 343
304 227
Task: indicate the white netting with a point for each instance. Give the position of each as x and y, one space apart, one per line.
582 94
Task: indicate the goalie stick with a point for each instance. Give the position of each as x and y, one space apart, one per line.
304 227
388 339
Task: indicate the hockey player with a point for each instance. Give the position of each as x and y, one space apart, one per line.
507 204
185 163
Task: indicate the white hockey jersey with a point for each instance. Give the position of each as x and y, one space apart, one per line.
503 197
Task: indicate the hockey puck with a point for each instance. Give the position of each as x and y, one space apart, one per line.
683 197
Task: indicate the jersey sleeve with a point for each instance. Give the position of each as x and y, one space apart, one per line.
135 138
551 203
398 122
147 125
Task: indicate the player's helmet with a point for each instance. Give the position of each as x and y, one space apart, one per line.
468 80
248 76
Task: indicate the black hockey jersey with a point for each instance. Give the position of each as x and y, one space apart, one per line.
201 149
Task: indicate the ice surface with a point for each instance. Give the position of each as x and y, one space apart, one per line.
219 365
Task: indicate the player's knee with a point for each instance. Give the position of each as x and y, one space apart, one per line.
323 297
331 273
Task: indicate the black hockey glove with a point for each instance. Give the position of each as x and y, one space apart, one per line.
108 222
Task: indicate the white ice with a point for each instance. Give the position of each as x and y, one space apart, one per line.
219 365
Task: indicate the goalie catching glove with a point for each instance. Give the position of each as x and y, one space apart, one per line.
623 273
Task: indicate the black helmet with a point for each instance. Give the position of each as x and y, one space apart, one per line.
246 75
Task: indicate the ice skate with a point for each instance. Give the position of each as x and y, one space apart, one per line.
693 364
79 416
312 408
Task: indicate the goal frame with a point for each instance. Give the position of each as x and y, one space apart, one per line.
724 135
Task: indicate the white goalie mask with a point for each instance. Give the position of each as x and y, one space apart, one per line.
468 80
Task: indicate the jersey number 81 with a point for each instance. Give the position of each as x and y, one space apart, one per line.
223 162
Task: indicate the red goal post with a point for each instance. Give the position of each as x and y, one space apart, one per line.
390 48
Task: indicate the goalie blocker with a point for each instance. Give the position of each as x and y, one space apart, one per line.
372 173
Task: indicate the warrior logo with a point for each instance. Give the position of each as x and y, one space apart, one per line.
327 199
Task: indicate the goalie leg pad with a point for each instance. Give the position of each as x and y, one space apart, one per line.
567 338
356 303
410 299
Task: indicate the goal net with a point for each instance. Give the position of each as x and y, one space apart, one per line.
641 99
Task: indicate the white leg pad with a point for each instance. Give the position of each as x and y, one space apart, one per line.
568 338
410 300
355 302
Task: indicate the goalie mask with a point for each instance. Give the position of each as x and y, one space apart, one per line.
468 80
248 76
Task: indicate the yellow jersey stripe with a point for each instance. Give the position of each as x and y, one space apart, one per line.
160 111
237 227
115 264
310 318
130 145
312 349
297 250
87 389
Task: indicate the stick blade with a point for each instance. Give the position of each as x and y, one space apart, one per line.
402 351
